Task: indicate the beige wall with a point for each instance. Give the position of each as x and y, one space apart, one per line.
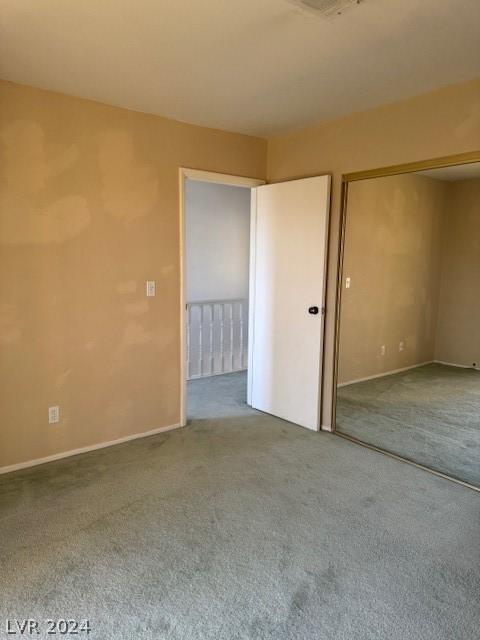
392 255
458 330
436 124
88 211
412 251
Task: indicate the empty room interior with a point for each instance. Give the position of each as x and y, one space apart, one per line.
240 319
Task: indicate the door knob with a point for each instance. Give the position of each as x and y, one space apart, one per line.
313 310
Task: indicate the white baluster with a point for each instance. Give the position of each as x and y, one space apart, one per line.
241 335
189 373
211 307
222 317
232 354
200 341
232 365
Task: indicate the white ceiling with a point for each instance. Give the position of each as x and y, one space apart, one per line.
458 172
254 66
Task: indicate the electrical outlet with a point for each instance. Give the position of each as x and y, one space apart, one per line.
53 414
382 350
401 345
348 282
150 288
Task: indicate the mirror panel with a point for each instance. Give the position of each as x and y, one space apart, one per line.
409 331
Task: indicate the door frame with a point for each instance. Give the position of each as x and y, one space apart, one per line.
382 172
218 178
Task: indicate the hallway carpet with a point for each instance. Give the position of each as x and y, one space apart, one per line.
241 526
430 415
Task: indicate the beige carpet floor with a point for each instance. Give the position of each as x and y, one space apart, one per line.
240 527
430 415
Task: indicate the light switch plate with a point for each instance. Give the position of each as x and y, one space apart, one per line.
150 288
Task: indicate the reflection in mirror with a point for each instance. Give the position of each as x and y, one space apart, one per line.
409 341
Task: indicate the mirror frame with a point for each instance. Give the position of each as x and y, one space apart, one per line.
347 178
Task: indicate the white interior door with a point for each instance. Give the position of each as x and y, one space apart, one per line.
288 260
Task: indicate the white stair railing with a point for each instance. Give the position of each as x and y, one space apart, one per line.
217 337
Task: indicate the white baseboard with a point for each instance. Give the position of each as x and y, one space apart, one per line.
93 447
217 373
386 373
454 364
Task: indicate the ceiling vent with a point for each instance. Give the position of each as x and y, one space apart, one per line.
326 8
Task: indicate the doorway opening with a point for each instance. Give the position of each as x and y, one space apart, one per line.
272 273
216 229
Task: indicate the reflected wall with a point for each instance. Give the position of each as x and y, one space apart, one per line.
409 341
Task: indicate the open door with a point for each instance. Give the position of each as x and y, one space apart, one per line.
288 264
